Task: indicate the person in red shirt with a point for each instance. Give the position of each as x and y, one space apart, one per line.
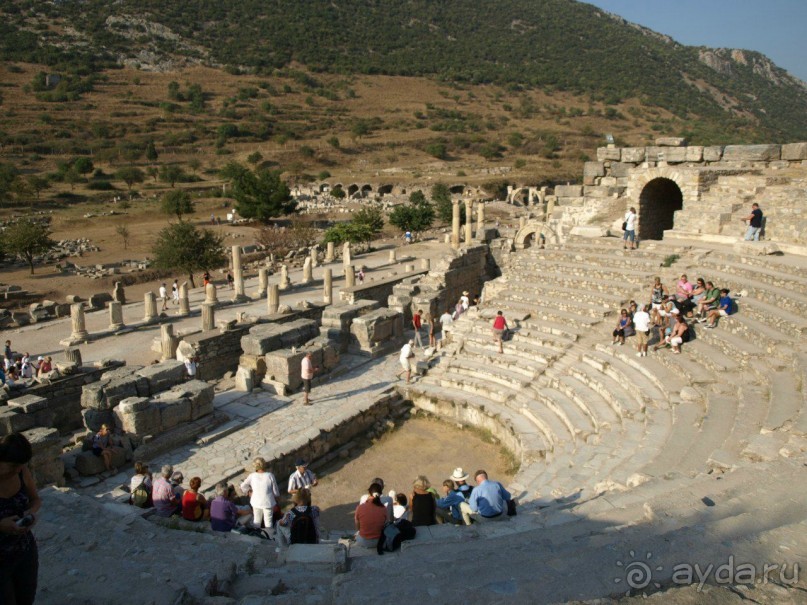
194 505
370 518
499 326
416 323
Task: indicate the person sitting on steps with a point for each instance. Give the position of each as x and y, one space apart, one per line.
621 325
300 525
723 310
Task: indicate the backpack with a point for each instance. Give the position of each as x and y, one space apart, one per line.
390 539
141 495
302 529
252 531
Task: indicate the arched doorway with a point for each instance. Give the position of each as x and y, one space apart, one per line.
658 202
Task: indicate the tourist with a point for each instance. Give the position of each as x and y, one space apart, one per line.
621 325
164 296
683 289
140 486
465 301
261 487
176 484
26 369
754 221
658 293
499 329
641 323
400 508
429 321
388 501
370 518
452 507
417 322
301 478
223 511
45 366
678 333
7 352
406 357
446 322
724 308
360 275
307 369
102 447
489 498
422 502
629 227
669 315
709 302
162 493
698 292
205 278
12 380
175 291
191 366
19 507
460 479
300 525
408 236
230 280
194 504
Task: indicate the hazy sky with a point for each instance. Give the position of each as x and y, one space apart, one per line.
776 28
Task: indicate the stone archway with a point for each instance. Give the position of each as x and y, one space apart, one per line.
659 199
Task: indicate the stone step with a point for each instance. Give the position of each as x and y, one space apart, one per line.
580 422
464 366
473 386
651 368
783 298
598 257
547 298
620 400
731 345
518 346
787 278
683 435
516 363
570 275
774 342
688 369
525 332
716 426
786 401
538 313
563 332
635 382
711 357
595 406
535 445
800 368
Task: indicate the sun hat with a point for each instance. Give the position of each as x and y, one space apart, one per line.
459 475
301 462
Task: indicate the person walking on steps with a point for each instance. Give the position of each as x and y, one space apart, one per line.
754 221
499 329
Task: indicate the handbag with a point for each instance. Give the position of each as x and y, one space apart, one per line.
625 226
511 508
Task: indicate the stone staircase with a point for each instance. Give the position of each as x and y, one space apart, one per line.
611 440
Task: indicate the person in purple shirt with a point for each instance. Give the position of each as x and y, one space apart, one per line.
223 511
489 498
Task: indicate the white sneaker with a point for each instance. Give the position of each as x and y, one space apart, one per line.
639 354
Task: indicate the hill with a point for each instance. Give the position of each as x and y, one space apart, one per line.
553 45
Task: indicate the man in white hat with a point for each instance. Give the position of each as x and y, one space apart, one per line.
407 356
459 477
465 301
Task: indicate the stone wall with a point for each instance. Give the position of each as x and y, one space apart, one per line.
336 320
263 338
218 352
283 366
46 466
378 290
376 333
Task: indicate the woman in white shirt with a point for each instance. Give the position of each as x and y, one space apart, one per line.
630 229
263 492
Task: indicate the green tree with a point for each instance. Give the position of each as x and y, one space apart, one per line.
370 216
171 173
334 142
349 232
151 152
338 193
195 164
26 239
262 194
441 198
183 247
8 175
152 172
131 175
72 177
254 157
417 215
37 184
83 165
177 202
437 150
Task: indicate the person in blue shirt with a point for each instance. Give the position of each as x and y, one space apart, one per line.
452 508
723 308
489 498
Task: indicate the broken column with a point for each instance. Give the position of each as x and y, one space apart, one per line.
393 257
308 274
314 253
168 342
455 224
118 294
210 294
116 316
350 276
238 276
272 299
150 307
480 216
208 316
184 301
285 283
73 355
263 280
327 295
79 328
469 226
329 253
425 264
346 254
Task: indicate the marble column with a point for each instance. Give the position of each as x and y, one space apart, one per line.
327 295
350 276
308 273
184 301
263 280
238 276
272 299
329 253
150 303
469 225
208 316
210 294
425 264
393 257
168 342
455 224
116 316
346 261
73 354
79 327
285 282
480 216
314 253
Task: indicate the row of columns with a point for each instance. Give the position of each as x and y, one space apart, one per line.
455 221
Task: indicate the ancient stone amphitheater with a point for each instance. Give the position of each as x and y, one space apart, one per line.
681 475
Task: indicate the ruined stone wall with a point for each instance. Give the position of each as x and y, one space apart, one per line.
378 290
